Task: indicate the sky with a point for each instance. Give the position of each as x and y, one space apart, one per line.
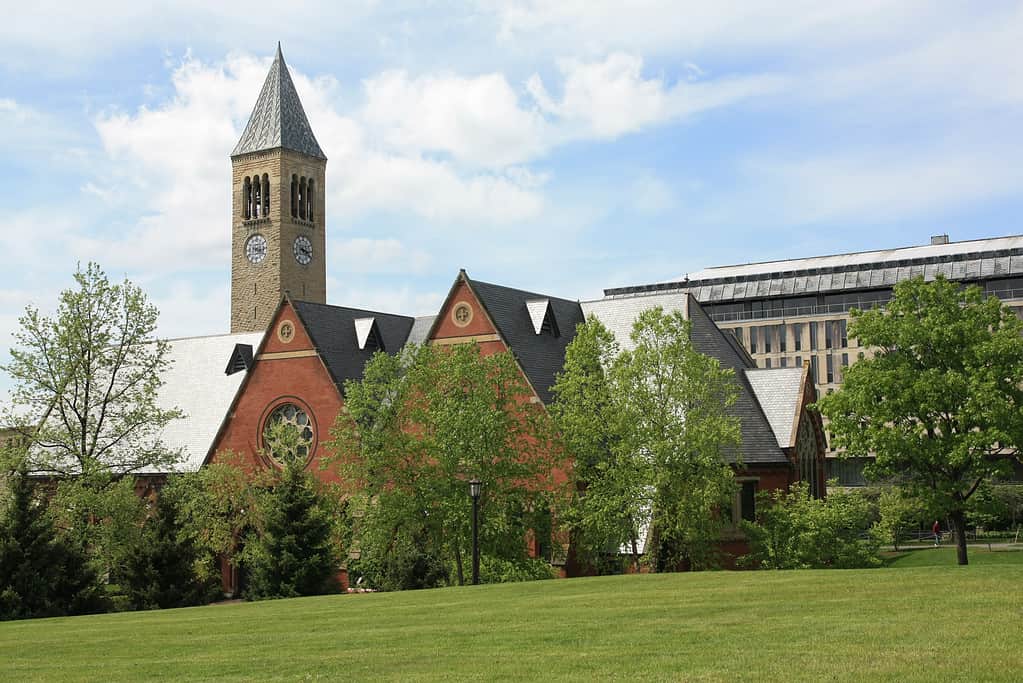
560 147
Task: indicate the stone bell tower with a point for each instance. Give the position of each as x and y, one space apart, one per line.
277 223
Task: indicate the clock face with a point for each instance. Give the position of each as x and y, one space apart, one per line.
303 250
255 248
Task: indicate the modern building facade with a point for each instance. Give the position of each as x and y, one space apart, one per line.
794 312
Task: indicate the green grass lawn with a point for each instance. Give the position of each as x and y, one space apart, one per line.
946 555
918 624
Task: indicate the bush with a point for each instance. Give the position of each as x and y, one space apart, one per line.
407 565
497 570
796 531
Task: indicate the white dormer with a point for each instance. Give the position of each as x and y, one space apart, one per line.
537 312
541 314
364 333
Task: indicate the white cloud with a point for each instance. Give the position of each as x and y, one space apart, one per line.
610 98
478 120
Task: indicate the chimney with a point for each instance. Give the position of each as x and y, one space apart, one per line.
939 239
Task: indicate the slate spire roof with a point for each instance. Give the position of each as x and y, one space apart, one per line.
278 119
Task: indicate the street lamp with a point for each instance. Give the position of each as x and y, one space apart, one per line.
475 487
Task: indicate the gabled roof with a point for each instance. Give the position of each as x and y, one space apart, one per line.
778 391
619 314
333 332
759 444
541 356
278 119
196 383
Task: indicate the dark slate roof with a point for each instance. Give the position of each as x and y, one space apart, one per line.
278 119
759 444
540 355
332 330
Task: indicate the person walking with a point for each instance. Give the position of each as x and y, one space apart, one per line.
937 533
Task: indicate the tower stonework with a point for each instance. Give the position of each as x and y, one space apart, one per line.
278 240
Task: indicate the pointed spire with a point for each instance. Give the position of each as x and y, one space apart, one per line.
278 119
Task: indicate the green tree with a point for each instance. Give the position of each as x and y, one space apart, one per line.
86 383
218 507
417 428
939 405
650 431
41 573
898 512
161 570
607 509
678 399
295 553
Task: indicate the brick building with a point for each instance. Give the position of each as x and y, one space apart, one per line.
290 353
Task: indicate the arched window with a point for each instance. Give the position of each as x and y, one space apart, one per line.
294 196
311 196
257 198
246 198
266 195
301 198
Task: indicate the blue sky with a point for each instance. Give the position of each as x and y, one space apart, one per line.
560 147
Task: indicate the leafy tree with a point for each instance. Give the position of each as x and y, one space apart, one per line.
794 530
678 400
417 428
41 573
651 434
161 570
898 511
939 405
607 510
86 383
218 507
295 553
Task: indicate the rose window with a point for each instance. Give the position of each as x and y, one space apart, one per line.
288 433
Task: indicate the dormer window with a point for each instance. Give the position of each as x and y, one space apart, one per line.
367 335
541 314
241 359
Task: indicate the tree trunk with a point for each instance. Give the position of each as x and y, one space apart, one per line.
959 525
458 565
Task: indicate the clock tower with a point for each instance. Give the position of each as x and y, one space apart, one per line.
277 221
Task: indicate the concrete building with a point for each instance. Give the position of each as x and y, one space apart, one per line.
795 312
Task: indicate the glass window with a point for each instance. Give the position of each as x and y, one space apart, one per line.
782 341
748 501
753 334
813 336
766 330
784 362
799 361
843 337
831 368
814 370
797 336
768 363
829 339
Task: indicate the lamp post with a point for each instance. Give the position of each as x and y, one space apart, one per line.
475 487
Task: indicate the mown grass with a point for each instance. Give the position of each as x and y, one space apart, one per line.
915 624
945 556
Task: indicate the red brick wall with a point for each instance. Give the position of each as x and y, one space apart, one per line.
271 381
